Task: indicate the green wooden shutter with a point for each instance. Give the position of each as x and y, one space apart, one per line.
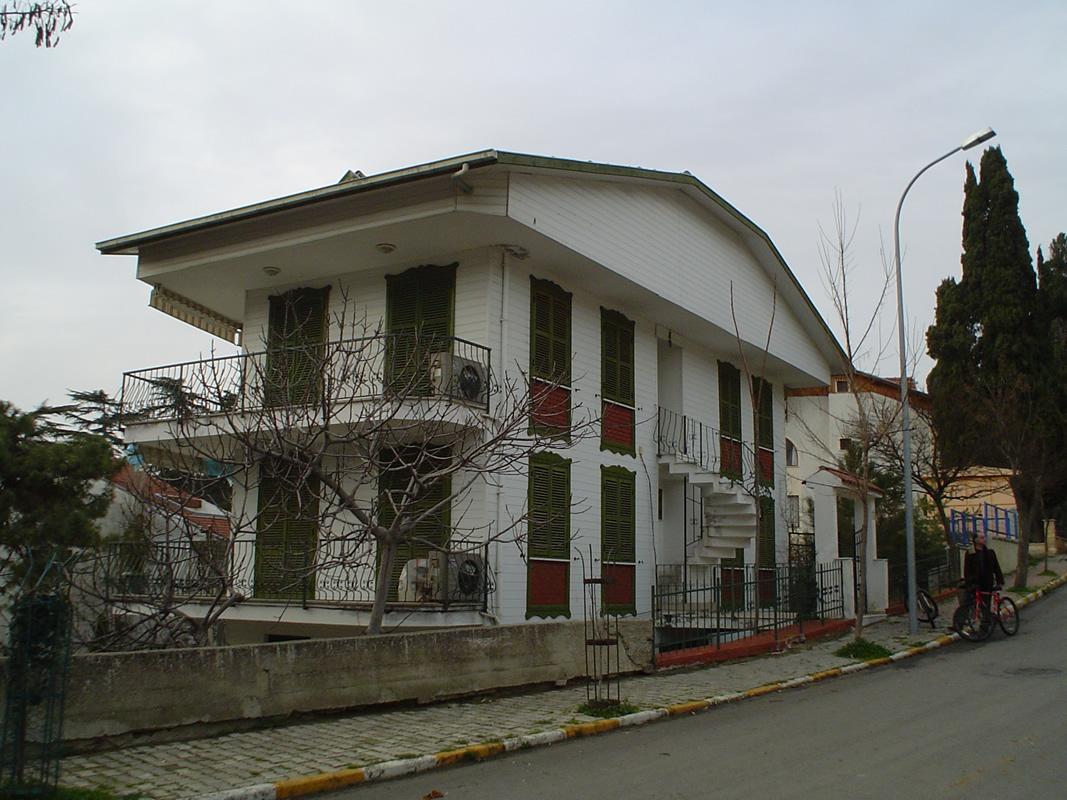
617 357
436 290
296 337
419 319
549 506
764 412
766 555
617 515
402 325
729 401
432 532
550 332
286 538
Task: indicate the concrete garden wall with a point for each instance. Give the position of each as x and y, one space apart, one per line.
123 693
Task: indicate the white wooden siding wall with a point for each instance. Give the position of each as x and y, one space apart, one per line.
808 427
360 299
586 456
662 239
700 392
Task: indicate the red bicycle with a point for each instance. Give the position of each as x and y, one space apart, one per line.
975 617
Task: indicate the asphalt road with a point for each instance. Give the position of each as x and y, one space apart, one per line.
986 720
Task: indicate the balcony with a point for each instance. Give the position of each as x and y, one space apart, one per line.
209 571
690 441
395 366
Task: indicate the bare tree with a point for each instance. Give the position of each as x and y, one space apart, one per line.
940 479
863 425
47 20
357 456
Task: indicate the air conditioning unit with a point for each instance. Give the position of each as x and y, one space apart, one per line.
458 577
415 585
459 378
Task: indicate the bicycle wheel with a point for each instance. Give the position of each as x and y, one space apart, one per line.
973 623
927 606
1008 616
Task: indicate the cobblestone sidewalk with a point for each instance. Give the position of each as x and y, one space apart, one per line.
188 769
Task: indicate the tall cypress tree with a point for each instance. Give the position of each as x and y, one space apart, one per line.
1052 297
990 387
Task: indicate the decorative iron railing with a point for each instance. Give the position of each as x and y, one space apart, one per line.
991 520
712 604
401 366
709 448
210 570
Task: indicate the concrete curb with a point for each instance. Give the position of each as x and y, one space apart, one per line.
329 781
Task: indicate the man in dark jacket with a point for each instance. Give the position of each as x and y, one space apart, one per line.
981 570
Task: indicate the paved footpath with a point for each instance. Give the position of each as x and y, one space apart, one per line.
203 766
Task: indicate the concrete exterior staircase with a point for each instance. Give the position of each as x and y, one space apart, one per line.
730 516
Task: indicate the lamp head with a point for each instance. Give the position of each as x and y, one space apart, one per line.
976 139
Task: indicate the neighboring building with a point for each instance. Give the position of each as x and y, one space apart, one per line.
819 423
616 280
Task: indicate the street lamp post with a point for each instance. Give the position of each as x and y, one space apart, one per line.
909 526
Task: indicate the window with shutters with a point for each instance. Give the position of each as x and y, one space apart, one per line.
419 319
296 344
397 493
730 420
763 413
550 357
617 539
548 539
617 382
286 536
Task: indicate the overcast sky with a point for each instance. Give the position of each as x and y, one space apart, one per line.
151 113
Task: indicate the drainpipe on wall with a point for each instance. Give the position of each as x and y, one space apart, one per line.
505 286
458 178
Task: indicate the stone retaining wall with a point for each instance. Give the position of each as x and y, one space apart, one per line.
122 693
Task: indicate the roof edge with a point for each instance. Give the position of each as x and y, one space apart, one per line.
130 243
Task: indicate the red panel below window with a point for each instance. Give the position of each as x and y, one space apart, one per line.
618 425
618 585
548 583
551 406
766 466
730 454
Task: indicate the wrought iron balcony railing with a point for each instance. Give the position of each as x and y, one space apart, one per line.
455 578
713 450
399 366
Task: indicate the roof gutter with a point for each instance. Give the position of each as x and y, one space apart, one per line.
131 244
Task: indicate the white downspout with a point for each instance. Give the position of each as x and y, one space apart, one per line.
505 287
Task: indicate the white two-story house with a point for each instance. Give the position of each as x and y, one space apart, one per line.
617 288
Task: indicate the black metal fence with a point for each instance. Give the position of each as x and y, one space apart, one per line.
935 574
700 605
458 577
32 736
343 371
